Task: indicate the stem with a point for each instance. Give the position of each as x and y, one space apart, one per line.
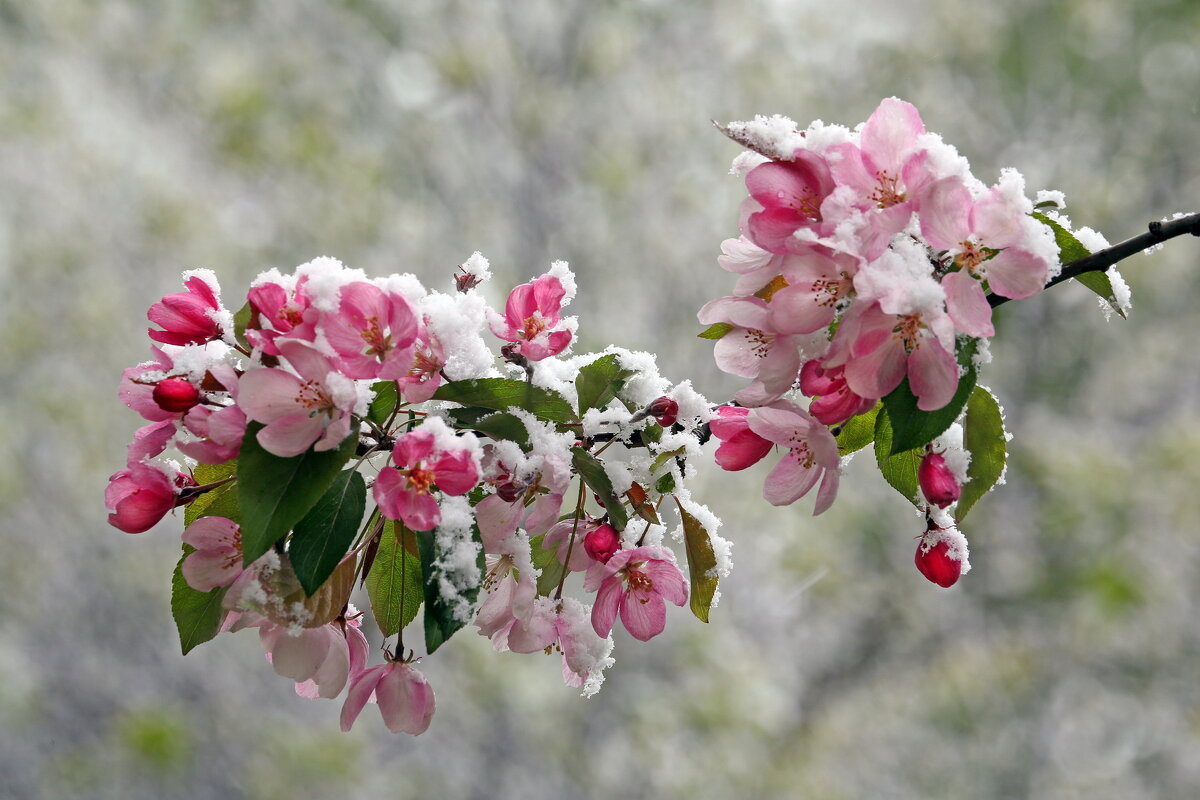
571 543
403 570
1103 259
189 493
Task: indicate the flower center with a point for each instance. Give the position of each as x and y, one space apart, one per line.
908 331
419 478
312 395
887 192
378 343
639 582
425 364
807 204
760 342
534 324
831 290
971 257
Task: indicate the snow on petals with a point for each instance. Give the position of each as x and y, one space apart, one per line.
532 318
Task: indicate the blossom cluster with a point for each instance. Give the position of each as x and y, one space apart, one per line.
863 268
492 478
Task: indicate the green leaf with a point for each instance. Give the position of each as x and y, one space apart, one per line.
900 469
857 432
384 402
911 427
240 321
498 425
665 484
1071 249
717 330
501 394
598 383
275 493
219 502
702 564
321 539
197 615
593 474
394 583
547 561
440 622
983 437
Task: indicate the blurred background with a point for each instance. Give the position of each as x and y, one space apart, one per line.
139 139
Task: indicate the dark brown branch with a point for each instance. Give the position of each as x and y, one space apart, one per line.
1103 259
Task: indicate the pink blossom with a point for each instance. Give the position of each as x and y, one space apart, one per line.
559 537
330 678
137 390
219 430
425 375
883 348
287 313
602 543
565 622
372 332
405 698
833 401
753 349
404 492
755 267
532 319
187 317
886 170
635 583
315 658
217 559
140 495
150 440
817 285
740 446
311 410
811 456
498 518
982 240
511 584
791 194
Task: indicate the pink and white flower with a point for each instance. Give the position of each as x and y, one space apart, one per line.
189 317
424 459
753 349
532 319
833 401
285 312
217 559
405 698
635 584
372 332
308 409
567 623
740 447
790 194
811 454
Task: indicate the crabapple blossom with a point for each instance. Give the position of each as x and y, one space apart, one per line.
532 320
753 349
602 543
740 446
790 194
190 316
404 697
329 679
372 332
308 408
811 454
142 494
423 460
286 311
636 584
565 623
217 559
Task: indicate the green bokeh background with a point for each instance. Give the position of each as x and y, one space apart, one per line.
139 139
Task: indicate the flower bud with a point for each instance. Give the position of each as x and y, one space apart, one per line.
602 543
175 395
665 410
938 483
509 491
935 563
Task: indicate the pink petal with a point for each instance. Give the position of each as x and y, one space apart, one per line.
789 481
608 600
799 309
772 228
209 533
535 632
668 581
291 435
742 450
644 615
1016 273
456 472
967 304
205 570
932 374
945 209
265 395
335 669
890 132
879 372
361 689
299 657
828 491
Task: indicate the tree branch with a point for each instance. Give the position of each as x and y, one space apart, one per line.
1103 259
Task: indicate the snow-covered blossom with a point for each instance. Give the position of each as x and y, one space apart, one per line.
635 584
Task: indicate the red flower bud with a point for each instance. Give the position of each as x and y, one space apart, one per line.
175 395
665 410
938 483
509 491
936 564
602 543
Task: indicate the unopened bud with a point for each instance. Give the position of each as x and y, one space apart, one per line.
465 281
509 491
602 543
665 410
938 483
935 563
175 395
